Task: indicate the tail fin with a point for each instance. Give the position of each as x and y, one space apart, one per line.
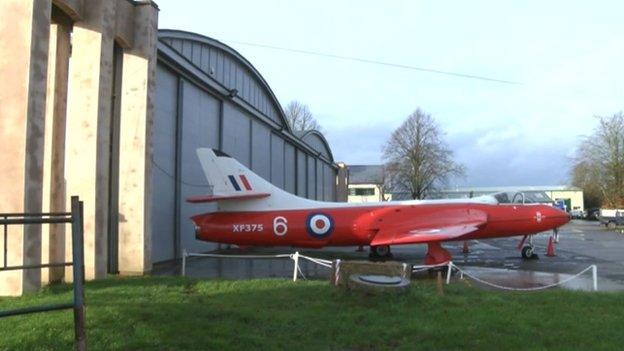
228 179
231 181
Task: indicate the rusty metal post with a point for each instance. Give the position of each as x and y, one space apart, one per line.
80 339
6 252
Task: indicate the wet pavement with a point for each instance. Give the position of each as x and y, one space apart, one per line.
581 244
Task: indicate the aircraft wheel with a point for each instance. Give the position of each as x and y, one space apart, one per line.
527 252
380 252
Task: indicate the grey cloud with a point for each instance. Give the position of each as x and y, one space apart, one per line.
505 161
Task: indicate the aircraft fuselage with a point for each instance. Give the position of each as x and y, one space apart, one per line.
351 226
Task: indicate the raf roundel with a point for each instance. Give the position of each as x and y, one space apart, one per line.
319 225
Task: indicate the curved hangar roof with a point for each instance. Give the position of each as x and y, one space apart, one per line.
232 76
316 139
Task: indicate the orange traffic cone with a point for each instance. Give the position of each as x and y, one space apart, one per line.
466 249
550 250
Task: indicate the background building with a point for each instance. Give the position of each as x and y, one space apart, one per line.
96 102
366 184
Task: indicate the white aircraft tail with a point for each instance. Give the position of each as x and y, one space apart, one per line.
237 188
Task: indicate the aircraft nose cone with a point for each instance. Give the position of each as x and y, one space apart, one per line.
559 217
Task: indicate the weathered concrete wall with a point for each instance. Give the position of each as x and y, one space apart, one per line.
56 129
53 238
137 110
24 35
73 8
88 123
125 24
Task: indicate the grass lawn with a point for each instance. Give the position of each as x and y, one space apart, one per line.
164 313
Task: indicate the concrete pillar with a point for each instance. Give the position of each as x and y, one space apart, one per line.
137 109
88 126
53 238
24 33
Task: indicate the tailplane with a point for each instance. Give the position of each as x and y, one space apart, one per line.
237 188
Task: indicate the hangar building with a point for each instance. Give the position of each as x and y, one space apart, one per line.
97 102
208 95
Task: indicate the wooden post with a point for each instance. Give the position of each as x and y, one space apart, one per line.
439 285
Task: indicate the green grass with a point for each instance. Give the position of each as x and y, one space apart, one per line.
160 313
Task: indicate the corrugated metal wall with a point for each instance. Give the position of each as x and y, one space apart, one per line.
302 174
200 128
278 159
196 107
290 170
164 166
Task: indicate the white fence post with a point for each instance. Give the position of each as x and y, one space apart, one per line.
595 276
183 262
295 257
449 272
337 277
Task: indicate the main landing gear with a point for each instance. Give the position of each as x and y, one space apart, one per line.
436 254
380 253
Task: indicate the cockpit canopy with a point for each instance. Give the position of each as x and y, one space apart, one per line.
532 197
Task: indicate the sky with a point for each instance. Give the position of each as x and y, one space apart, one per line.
564 56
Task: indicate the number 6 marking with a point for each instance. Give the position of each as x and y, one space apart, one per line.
280 226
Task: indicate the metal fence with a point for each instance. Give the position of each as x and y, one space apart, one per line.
75 217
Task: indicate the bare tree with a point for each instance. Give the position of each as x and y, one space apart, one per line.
300 118
586 176
417 158
385 184
599 162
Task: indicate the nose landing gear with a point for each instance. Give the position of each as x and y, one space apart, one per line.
528 253
528 250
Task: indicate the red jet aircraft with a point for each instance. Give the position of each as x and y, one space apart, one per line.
253 212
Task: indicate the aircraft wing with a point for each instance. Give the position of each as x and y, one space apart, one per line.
440 226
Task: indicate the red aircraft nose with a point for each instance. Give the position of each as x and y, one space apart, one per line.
556 216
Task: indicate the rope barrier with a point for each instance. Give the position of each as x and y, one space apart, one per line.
415 268
561 282
421 268
324 263
300 272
